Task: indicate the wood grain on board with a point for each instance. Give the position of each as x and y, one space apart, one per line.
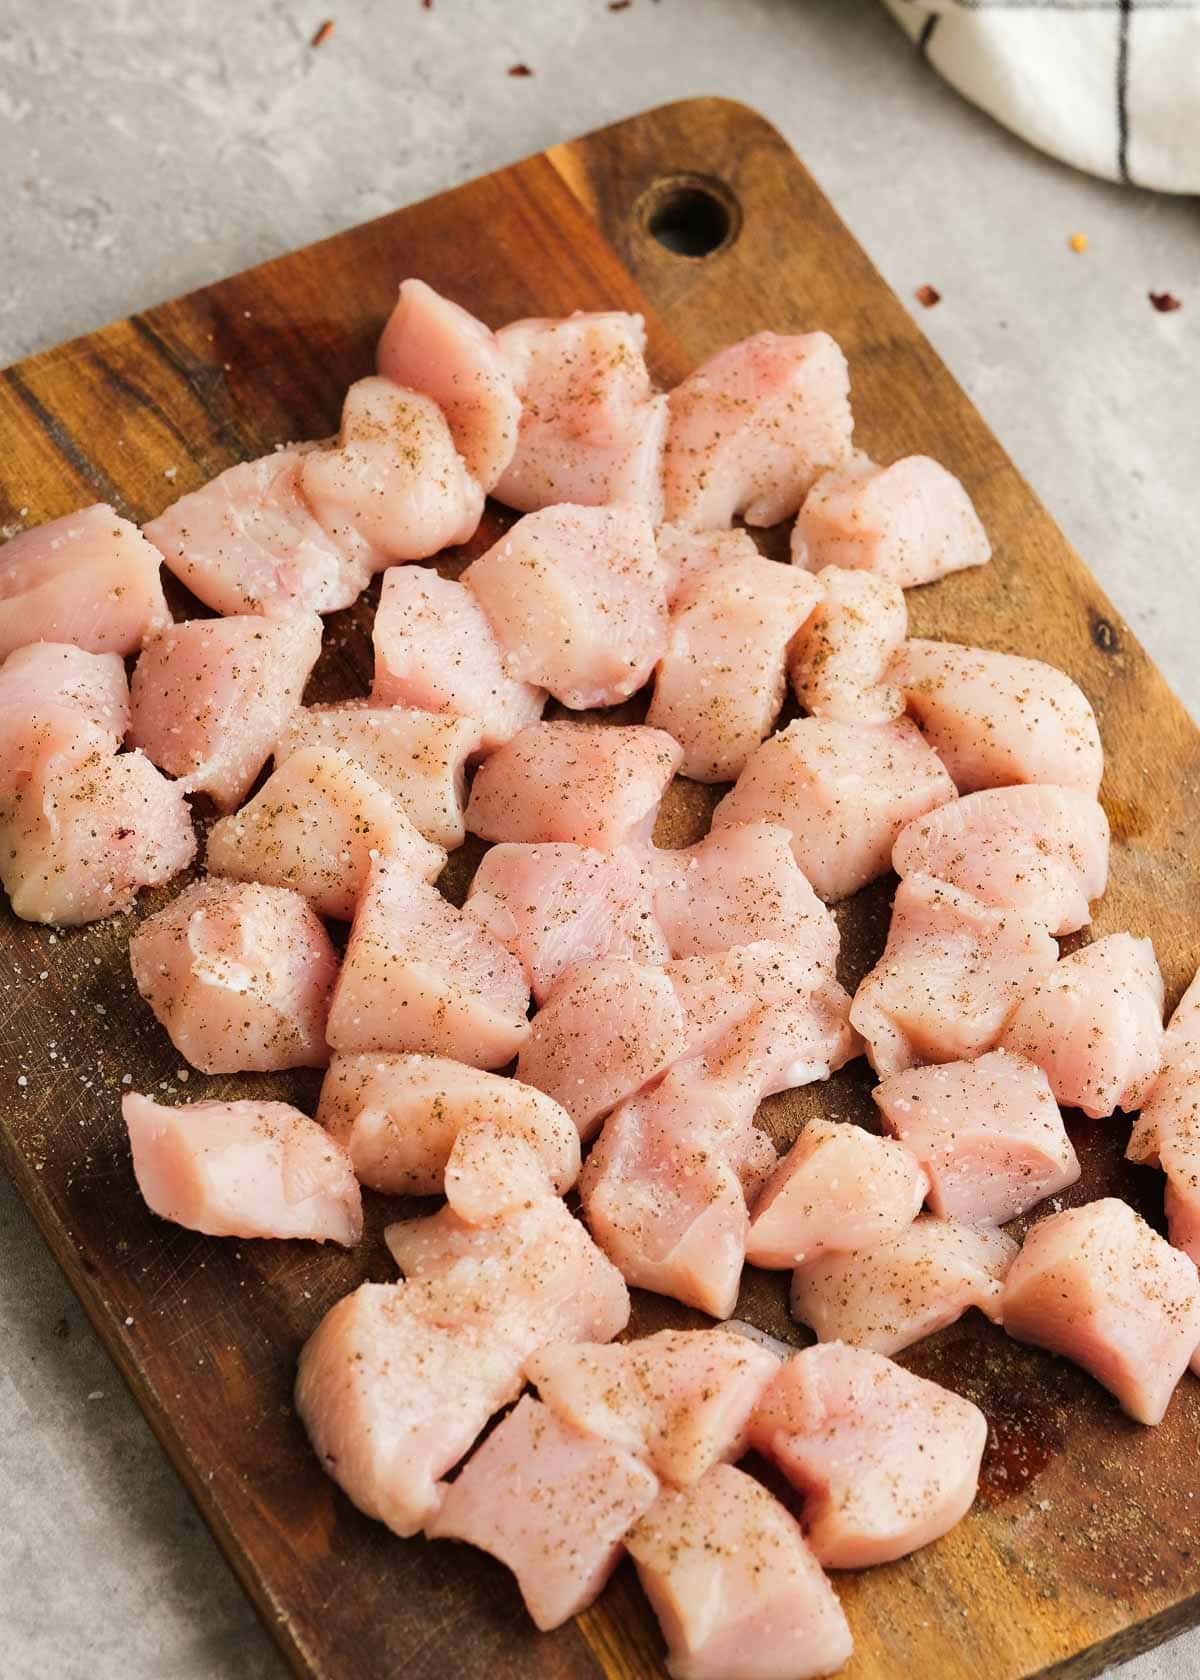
1083 1545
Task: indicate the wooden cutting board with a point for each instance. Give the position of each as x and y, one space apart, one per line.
1084 1545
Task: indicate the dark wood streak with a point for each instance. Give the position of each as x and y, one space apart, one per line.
66 446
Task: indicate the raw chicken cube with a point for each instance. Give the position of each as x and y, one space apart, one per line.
400 1118
239 975
994 718
885 1461
838 1187
394 476
243 1169
89 578
591 429
987 1132
737 1591
910 522
894 1293
556 906
1174 1097
1032 848
434 649
588 784
211 696
753 427
686 554
316 825
839 662
680 1399
722 677
49 677
1095 1025
432 345
844 791
577 599
419 975
1096 1284
552 1504
951 974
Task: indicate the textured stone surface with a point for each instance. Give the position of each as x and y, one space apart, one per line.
151 145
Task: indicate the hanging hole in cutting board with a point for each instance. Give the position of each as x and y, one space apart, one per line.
690 215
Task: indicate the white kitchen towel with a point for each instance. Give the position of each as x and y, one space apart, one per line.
1111 86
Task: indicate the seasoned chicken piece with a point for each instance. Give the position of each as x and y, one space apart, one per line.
584 783
686 553
419 757
48 679
89 578
909 523
1096 1284
577 599
722 677
552 1504
1173 1101
988 1133
239 976
432 345
243 1169
951 974
752 428
556 906
895 1293
1095 1025
591 429
316 825
435 650
1038 849
838 1187
419 975
885 1461
994 718
844 791
211 697
680 1399
737 1592
839 662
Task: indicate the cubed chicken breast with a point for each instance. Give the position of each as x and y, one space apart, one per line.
837 1187
556 906
243 1169
911 522
211 697
89 578
988 1133
951 974
394 475
723 673
577 599
419 757
552 1504
896 1292
994 718
839 662
1032 848
884 1460
1098 1285
239 975
432 345
591 428
435 650
1174 1098
844 791
687 553
419 975
752 428
584 783
1096 1025
736 1589
52 677
680 1399
316 825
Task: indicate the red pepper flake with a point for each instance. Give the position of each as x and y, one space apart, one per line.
1165 302
619 5
927 296
519 70
322 34
426 5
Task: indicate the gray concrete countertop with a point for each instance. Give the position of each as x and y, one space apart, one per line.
152 145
